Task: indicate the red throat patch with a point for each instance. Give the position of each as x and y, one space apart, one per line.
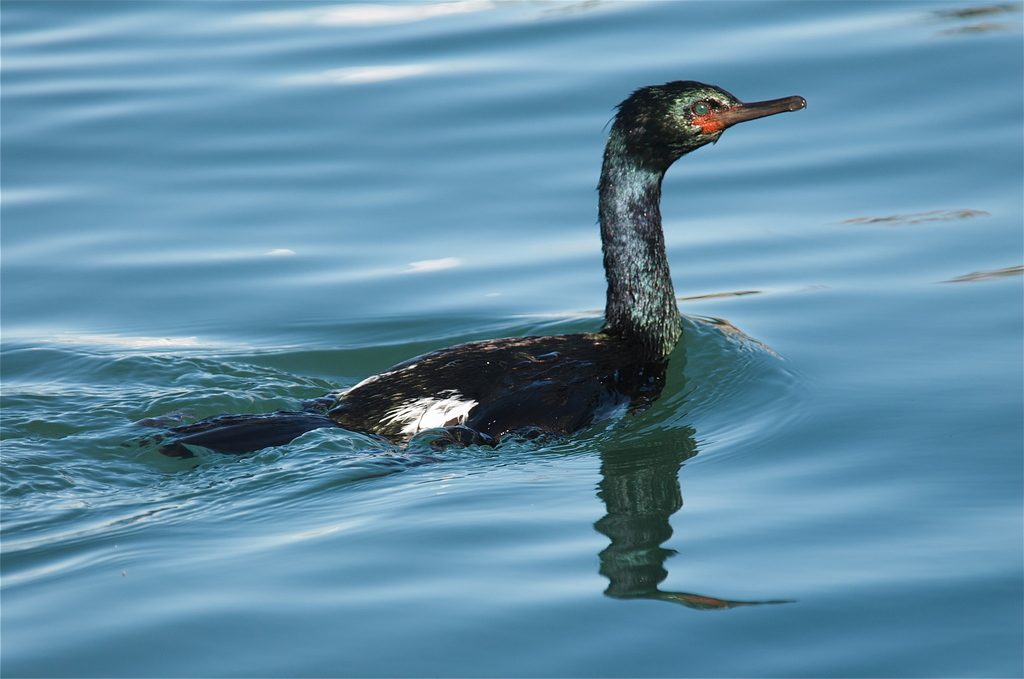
708 123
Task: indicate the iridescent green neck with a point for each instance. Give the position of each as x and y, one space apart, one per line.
641 304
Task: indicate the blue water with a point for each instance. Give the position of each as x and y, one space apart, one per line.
231 207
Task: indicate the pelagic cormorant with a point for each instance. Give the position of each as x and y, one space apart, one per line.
481 391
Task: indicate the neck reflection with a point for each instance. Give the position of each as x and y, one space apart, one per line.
641 491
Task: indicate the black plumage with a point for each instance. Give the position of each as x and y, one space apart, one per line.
557 384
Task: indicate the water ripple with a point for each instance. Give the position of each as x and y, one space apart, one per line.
365 14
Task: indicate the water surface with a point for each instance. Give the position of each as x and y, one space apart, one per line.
232 207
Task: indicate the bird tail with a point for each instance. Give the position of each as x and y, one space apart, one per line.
238 434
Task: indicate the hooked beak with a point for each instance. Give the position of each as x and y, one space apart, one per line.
717 121
759 109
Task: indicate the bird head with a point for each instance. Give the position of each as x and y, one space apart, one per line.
661 123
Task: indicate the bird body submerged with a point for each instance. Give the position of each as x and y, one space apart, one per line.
474 393
557 384
481 391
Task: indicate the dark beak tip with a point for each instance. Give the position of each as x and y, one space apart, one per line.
797 103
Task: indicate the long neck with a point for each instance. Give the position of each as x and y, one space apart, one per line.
641 305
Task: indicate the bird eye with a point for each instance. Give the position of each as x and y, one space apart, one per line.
701 108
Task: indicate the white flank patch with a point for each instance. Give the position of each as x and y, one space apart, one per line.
434 265
431 412
279 252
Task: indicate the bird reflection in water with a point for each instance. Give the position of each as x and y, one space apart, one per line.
641 491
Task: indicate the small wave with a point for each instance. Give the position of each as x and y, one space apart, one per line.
725 390
364 14
359 75
988 275
919 217
127 341
717 295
